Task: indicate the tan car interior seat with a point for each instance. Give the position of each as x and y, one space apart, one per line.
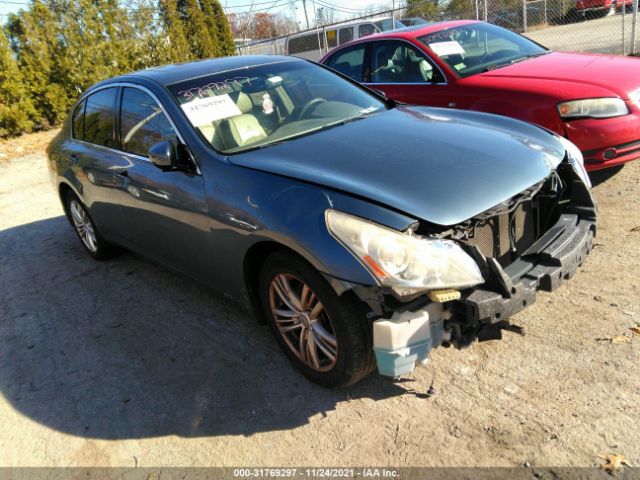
235 131
242 129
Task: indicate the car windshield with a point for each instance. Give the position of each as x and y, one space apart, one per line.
258 106
480 47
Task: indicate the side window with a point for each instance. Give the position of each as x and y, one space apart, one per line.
384 25
349 62
98 118
366 29
306 43
345 35
142 123
398 62
77 121
332 38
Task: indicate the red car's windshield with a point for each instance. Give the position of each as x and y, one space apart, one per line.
479 47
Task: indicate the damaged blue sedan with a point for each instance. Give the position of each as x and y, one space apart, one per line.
364 232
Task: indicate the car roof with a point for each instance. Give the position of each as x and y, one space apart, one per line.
418 30
177 72
350 23
406 33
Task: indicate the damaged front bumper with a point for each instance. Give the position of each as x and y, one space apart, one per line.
481 313
513 274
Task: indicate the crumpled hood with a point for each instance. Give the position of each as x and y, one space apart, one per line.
442 166
620 75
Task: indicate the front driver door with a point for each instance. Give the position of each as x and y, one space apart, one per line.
166 210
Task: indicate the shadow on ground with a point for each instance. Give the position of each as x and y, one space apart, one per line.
125 349
600 176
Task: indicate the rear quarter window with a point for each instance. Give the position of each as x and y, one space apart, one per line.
77 121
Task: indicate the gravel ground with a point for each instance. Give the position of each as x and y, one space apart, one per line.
599 35
125 363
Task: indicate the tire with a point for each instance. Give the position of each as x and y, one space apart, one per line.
86 230
320 313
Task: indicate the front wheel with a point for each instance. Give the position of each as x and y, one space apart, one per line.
325 336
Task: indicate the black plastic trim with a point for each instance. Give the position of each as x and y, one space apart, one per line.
545 269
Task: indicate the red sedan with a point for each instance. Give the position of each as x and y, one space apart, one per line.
593 100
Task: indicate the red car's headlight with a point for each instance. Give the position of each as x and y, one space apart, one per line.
593 108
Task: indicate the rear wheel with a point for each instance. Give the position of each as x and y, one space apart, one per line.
86 230
324 335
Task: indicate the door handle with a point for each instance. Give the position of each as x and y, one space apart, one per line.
122 178
73 159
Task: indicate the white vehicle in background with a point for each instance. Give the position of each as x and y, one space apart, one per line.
313 44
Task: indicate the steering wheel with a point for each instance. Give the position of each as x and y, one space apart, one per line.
306 108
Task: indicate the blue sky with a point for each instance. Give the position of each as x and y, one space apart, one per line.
343 9
277 6
12 6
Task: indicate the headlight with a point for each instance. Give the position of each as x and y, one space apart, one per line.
593 108
576 159
403 261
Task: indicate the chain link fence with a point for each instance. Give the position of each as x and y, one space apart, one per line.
599 26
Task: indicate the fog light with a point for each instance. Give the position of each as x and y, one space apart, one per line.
609 154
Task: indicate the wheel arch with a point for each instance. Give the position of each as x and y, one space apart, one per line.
252 264
63 190
253 260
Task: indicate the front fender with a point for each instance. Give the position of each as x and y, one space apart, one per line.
295 218
528 108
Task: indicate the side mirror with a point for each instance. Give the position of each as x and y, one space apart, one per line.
389 102
380 93
163 155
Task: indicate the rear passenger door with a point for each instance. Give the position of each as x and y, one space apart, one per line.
405 73
95 162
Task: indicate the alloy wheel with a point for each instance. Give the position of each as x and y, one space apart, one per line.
83 225
303 322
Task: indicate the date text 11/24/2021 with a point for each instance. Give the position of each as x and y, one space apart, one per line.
315 472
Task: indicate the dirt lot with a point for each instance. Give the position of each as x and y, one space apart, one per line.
601 35
124 363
